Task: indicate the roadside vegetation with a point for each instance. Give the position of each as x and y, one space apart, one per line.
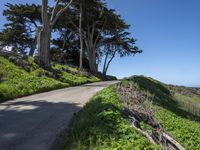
27 78
135 114
180 121
102 125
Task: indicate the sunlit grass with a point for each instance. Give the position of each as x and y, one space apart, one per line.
102 125
17 81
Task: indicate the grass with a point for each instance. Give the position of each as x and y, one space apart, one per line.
18 81
173 116
184 130
188 103
72 76
101 125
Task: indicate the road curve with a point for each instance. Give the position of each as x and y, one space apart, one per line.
35 122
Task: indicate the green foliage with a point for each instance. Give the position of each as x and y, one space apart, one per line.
16 82
32 63
102 125
20 29
146 127
110 78
187 91
73 76
184 130
182 124
150 85
188 103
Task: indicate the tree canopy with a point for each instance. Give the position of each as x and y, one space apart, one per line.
82 30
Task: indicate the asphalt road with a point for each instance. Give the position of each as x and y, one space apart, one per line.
36 122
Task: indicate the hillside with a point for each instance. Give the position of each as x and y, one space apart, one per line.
136 111
24 77
176 109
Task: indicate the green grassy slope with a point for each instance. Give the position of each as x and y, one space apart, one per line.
72 76
175 117
16 81
102 125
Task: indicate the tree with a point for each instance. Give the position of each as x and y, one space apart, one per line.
88 32
84 14
81 17
93 24
118 44
20 31
47 25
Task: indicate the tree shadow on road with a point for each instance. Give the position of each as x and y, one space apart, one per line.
37 124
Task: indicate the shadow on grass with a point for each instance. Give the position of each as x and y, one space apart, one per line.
102 125
96 121
34 124
162 96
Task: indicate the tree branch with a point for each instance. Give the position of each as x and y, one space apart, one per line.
60 12
95 42
111 59
54 10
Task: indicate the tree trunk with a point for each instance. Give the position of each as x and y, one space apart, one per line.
91 57
105 63
45 48
32 50
44 45
81 38
33 47
45 33
91 50
93 63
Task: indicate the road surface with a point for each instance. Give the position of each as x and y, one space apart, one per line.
36 122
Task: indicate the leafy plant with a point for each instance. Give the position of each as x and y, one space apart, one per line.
175 117
102 125
17 82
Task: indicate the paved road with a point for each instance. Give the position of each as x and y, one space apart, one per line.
35 122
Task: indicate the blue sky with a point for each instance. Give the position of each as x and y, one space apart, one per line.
168 32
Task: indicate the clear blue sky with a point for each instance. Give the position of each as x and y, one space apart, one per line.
168 31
